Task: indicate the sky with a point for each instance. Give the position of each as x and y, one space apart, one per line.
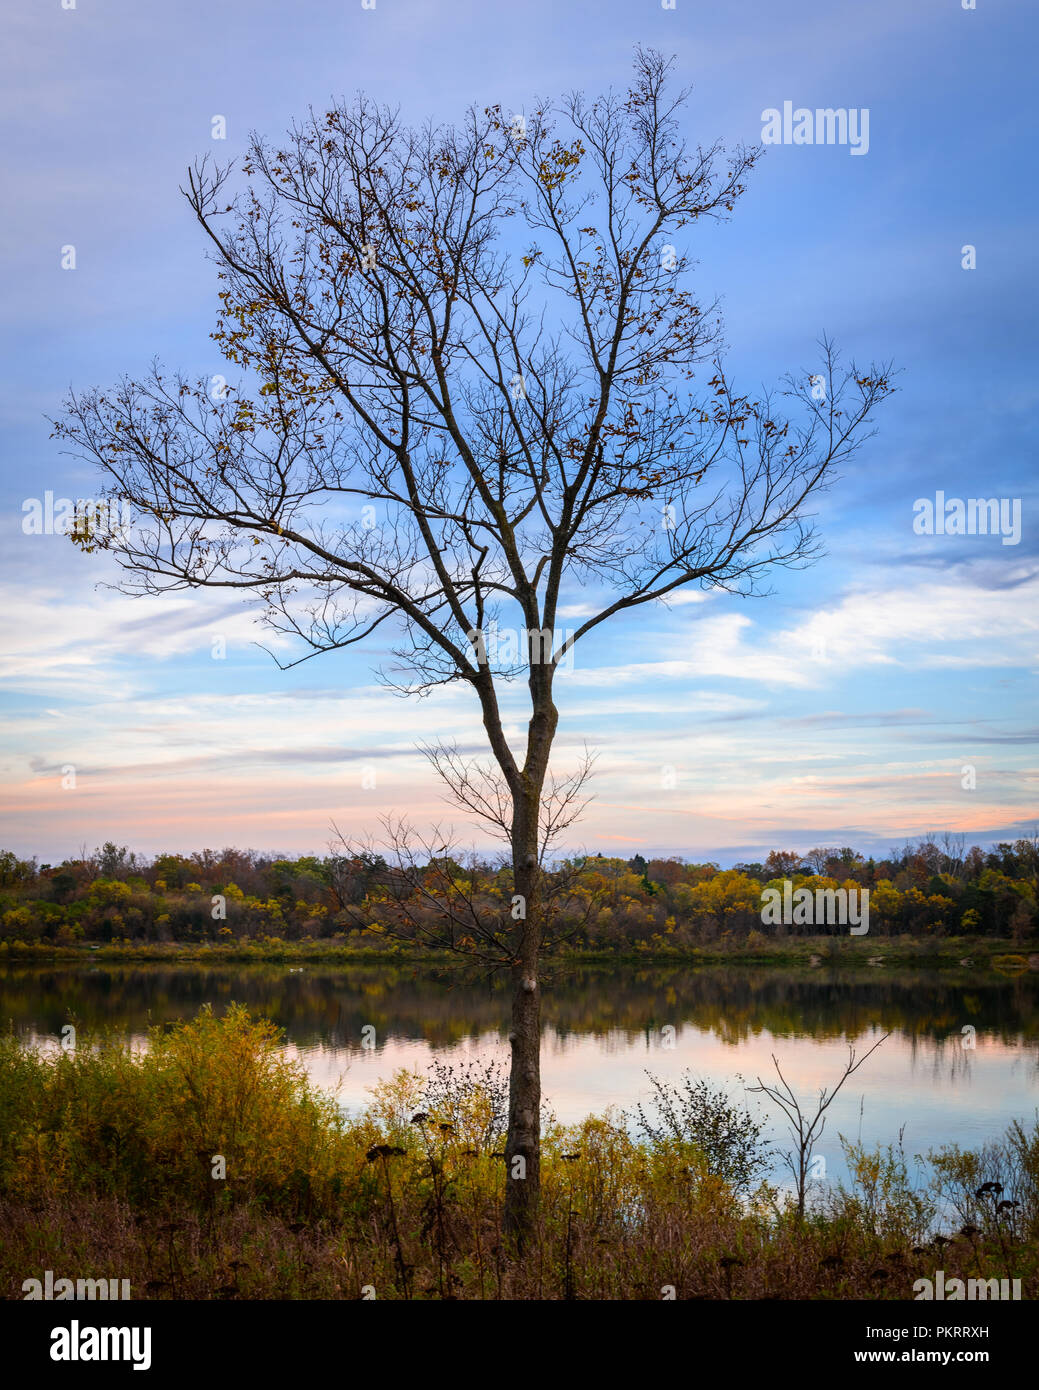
885 693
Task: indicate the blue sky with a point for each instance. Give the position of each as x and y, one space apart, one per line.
841 710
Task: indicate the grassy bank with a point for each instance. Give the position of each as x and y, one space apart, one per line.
210 1167
812 952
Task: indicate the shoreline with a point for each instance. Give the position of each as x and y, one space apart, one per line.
950 953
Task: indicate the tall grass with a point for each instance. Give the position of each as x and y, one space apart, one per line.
110 1163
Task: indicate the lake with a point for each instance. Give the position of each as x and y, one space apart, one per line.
604 1027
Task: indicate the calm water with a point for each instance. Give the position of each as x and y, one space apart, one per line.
605 1027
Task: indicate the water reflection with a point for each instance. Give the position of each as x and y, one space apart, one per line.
605 1026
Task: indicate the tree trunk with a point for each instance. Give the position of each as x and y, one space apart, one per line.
523 1143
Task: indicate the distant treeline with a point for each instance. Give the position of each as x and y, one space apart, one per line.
932 886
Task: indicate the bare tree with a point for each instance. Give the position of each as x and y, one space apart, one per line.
953 847
807 1129
470 358
818 858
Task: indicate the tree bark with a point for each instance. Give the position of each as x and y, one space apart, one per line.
523 1142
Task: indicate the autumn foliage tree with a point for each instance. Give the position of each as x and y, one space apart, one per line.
471 382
